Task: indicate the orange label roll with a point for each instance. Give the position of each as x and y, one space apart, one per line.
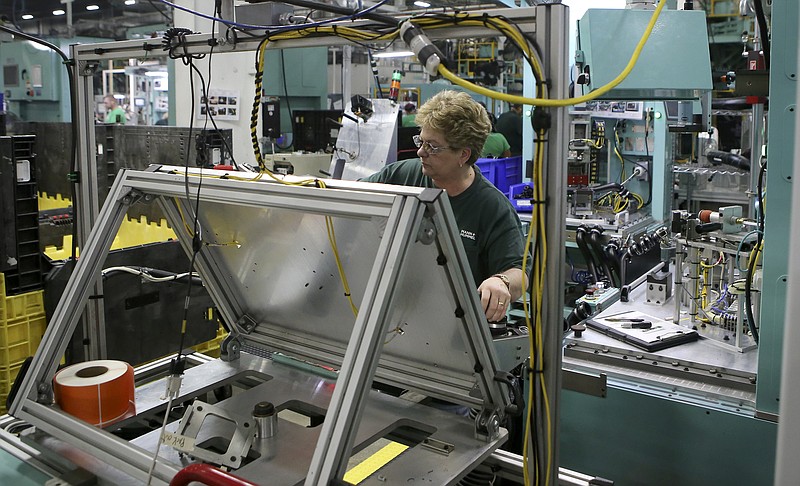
98 392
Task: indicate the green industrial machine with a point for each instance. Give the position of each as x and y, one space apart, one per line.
299 78
703 413
34 80
674 63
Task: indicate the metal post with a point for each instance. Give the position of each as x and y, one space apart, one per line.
552 28
787 468
676 316
694 279
227 12
70 27
87 199
68 311
347 58
756 141
731 269
663 155
361 358
739 322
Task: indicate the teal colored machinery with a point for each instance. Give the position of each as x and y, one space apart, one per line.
32 81
304 71
674 63
779 181
661 432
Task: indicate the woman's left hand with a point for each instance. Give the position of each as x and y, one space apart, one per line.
495 298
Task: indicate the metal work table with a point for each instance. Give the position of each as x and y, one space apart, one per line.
273 275
290 387
701 370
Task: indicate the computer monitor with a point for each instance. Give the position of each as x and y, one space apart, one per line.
316 130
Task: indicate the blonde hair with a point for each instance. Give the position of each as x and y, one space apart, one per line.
462 120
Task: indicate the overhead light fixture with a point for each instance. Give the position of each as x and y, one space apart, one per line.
27 17
130 2
156 74
92 7
37 46
421 4
58 12
393 54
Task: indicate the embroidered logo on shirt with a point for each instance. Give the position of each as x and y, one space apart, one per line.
468 234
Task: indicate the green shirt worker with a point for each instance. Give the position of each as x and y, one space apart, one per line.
114 113
409 115
453 130
510 125
496 146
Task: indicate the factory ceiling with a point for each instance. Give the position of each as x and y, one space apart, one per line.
47 10
93 18
113 18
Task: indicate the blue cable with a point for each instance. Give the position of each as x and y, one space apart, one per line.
723 296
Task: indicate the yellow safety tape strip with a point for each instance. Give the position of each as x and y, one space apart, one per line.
368 466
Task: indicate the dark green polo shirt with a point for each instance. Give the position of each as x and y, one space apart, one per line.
491 231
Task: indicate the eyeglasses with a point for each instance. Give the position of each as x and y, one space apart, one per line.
427 147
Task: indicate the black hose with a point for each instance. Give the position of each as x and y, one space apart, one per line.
751 267
717 157
597 246
610 252
583 246
748 288
763 32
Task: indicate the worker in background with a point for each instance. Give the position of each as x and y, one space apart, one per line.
454 129
114 113
510 125
496 145
409 115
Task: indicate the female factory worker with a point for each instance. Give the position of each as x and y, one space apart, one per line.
454 129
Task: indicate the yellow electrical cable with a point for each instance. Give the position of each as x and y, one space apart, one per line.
704 292
756 252
536 341
530 344
342 276
589 142
257 105
619 155
328 220
540 298
538 220
521 100
600 142
306 182
183 218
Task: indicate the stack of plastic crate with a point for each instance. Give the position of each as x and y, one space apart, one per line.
22 325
